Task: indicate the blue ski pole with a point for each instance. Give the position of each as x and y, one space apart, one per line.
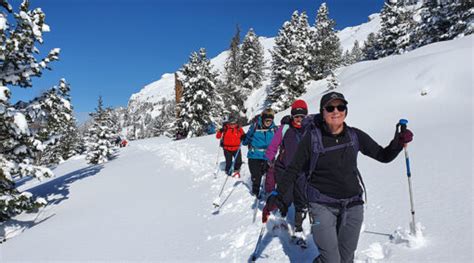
403 126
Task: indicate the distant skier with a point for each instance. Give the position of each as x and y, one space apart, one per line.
124 143
285 143
117 141
258 138
333 186
231 134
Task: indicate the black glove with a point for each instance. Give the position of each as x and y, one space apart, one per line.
274 201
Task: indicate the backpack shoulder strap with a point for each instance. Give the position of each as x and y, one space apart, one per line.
354 139
316 147
285 128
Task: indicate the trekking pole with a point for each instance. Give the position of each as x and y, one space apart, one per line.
403 126
217 162
257 198
216 202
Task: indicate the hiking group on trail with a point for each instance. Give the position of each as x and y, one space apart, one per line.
310 161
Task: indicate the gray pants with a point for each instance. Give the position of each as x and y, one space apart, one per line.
335 233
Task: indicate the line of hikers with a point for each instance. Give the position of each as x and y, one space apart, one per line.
311 161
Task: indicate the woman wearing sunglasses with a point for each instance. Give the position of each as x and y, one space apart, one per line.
333 185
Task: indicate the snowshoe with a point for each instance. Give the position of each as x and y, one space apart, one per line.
299 239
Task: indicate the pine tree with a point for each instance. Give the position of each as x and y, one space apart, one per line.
396 29
371 47
252 63
51 115
356 52
231 91
332 81
162 124
18 64
69 141
289 62
199 107
460 14
326 48
17 48
100 135
347 58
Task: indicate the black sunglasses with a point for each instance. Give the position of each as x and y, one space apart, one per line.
266 116
339 108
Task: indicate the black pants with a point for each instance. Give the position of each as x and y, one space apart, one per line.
229 155
297 198
257 169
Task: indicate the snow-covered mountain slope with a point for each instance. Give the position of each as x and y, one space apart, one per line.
349 35
153 202
154 92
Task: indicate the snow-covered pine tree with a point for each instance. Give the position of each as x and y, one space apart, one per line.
460 14
326 49
18 63
347 58
99 146
18 45
231 91
289 62
430 24
371 47
397 25
198 108
69 141
17 150
252 63
162 124
356 52
51 117
332 81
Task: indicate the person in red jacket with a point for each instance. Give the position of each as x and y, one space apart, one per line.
231 135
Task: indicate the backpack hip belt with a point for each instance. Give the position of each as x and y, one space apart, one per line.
341 204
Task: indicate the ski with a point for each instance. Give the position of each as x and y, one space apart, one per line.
259 240
255 209
216 202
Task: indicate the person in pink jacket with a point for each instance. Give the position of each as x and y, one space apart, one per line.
285 143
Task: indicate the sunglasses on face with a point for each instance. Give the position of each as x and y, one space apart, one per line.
268 120
339 108
267 117
298 117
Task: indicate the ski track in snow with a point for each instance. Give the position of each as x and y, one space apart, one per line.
238 207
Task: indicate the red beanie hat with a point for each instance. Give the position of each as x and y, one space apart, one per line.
299 107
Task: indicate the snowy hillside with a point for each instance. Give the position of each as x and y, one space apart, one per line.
164 88
349 35
153 202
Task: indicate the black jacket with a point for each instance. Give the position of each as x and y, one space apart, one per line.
336 171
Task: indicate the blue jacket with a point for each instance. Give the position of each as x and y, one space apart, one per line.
258 139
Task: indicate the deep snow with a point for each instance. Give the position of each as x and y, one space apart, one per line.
153 202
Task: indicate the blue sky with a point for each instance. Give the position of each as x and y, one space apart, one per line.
115 47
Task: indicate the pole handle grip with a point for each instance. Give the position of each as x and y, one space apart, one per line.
402 123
